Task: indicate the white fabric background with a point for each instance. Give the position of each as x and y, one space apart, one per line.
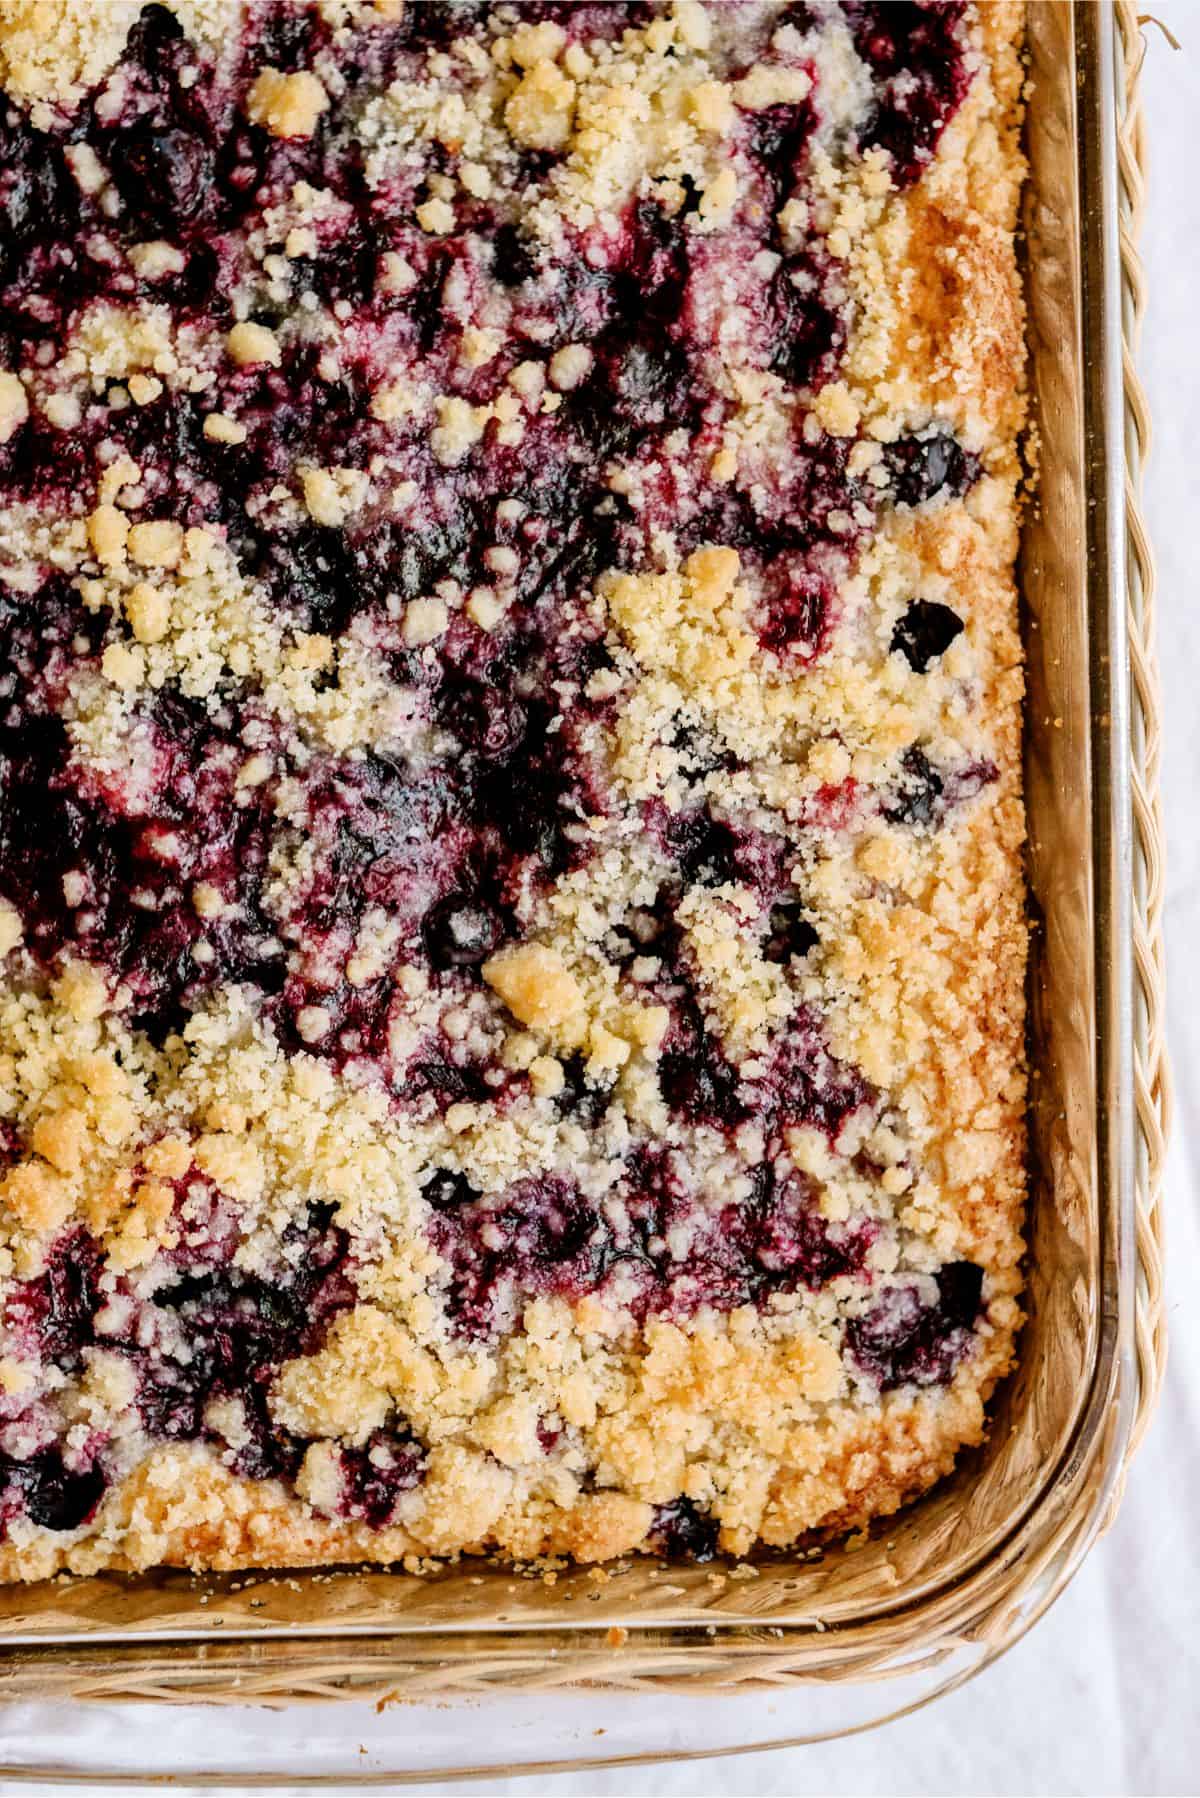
1104 1696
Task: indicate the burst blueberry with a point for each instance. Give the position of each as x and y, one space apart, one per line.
926 467
904 1340
925 633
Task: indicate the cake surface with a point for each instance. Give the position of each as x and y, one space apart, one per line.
510 821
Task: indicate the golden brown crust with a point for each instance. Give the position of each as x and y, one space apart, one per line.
756 1416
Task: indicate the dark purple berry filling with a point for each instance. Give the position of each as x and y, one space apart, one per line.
803 1082
460 931
543 1237
110 871
376 1476
239 1329
903 1341
246 1321
791 934
538 1236
777 140
51 1316
811 326
208 1331
697 1080
917 53
683 1531
709 852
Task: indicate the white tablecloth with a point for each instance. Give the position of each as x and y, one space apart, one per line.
1104 1696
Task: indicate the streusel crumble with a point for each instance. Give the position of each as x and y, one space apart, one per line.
510 807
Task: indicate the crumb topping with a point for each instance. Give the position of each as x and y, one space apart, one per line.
510 819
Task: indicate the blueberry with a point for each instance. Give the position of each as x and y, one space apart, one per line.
164 174
539 1236
925 632
697 1081
903 1341
808 1084
513 259
312 576
654 269
779 138
268 1452
683 1531
420 558
286 39
195 288
134 925
374 827
31 184
595 657
917 798
693 194
377 1475
237 1321
699 751
39 198
790 933
710 852
155 34
793 1242
344 268
171 1400
810 324
447 1084
436 23
486 719
801 14
718 1272
54 1497
705 849
236 1329
59 1305
448 1191
960 1293
923 467
917 55
460 932
565 540
647 381
529 804
581 1099
636 387
796 604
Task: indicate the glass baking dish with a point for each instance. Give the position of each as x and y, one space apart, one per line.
857 1632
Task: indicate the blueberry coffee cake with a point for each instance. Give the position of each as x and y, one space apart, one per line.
510 816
